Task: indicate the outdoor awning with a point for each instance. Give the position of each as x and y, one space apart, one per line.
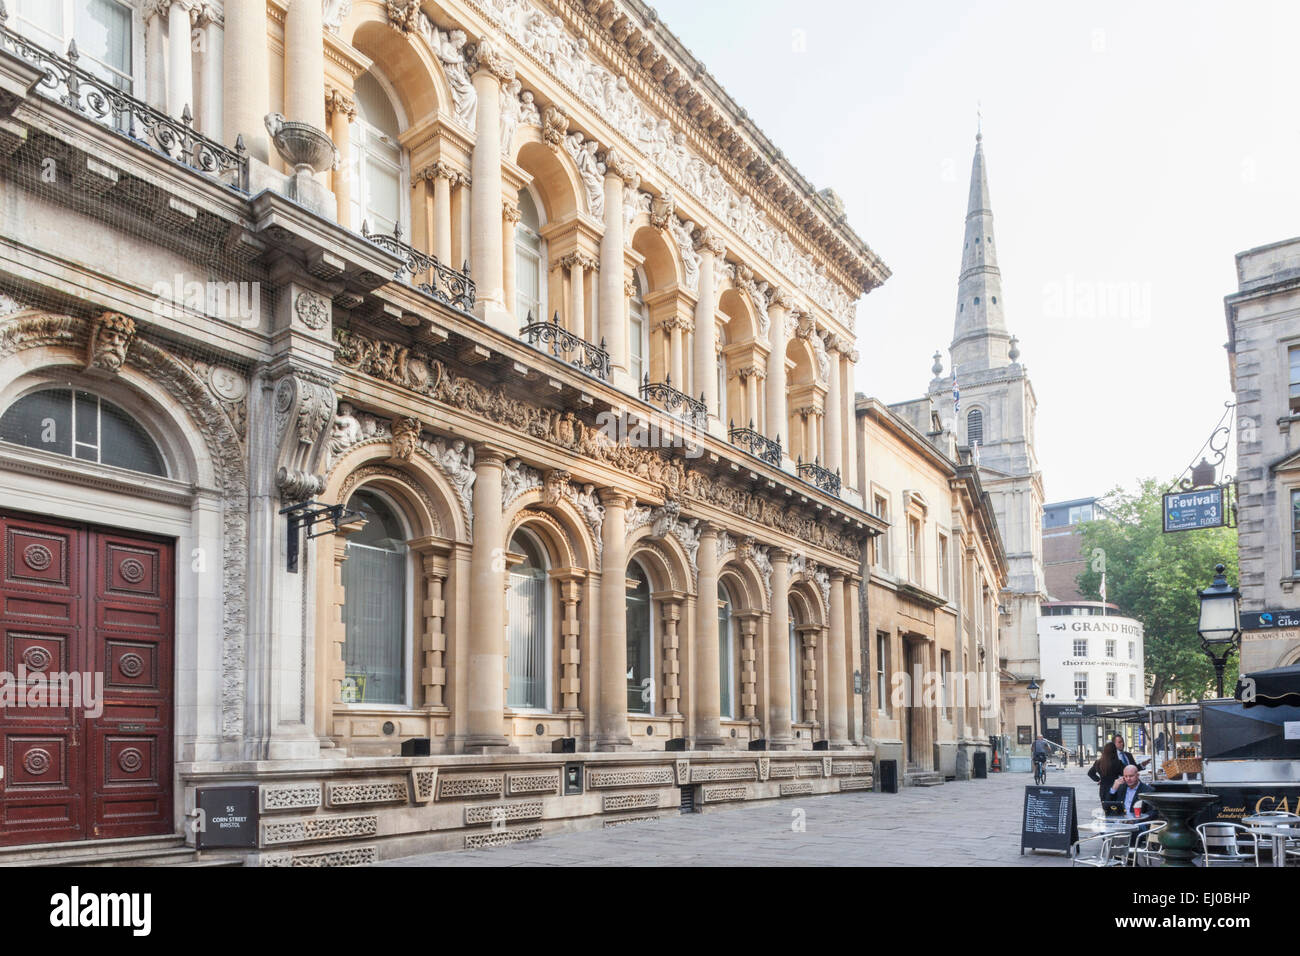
1281 685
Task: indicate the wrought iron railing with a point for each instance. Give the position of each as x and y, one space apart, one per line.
825 479
556 340
90 96
693 410
760 446
425 272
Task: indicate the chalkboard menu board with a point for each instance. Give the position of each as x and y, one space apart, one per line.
1051 820
227 817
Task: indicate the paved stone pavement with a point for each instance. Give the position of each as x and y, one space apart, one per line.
967 823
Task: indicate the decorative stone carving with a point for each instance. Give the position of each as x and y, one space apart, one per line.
723 794
303 411
626 821
758 295
461 787
511 114
449 48
724 772
345 431
662 209
590 169
486 56
334 12
423 784
612 802
621 167
353 856
555 487
516 478
856 783
406 437
404 15
353 794
456 459
796 789
555 125
545 782
312 829
504 812
759 556
312 310
686 248
478 841
823 360
638 516
110 337
823 580
629 777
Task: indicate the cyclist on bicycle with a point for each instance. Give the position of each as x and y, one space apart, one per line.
1041 750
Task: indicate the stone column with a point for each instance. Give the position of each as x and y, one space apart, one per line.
210 105
753 378
180 68
832 455
613 303
670 610
777 419
442 177
748 666
577 321
808 673
304 62
490 70
611 703
705 358
570 582
779 734
837 705
245 79
155 62
708 687
487 624
676 368
510 215
341 110
433 643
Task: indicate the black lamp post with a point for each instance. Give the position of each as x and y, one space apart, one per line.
1220 624
1078 702
1033 703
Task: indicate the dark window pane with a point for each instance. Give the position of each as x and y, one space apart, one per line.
86 421
42 420
124 444
640 687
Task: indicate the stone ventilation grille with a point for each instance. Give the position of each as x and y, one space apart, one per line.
351 794
424 783
356 856
850 768
630 801
724 772
796 789
782 771
628 777
534 782
478 841
856 783
624 821
290 798
723 794
319 828
810 770
491 813
459 788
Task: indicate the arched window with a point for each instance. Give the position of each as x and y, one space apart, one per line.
81 425
640 644
529 266
975 427
638 345
374 605
376 161
529 628
726 645
796 672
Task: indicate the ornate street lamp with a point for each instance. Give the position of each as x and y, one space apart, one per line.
1033 703
1220 624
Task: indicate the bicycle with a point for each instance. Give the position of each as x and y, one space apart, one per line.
1040 772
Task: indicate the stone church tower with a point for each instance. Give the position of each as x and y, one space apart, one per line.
988 404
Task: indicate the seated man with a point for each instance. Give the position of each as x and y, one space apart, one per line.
1126 791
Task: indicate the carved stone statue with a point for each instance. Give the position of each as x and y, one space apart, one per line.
406 437
344 432
450 50
110 337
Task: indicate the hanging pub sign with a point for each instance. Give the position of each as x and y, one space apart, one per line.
1190 510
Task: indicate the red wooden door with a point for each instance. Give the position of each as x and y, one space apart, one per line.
96 604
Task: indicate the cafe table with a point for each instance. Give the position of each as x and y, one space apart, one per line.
1277 828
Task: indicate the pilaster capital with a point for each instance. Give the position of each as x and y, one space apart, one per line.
612 497
337 101
510 211
486 57
707 240
617 165
489 455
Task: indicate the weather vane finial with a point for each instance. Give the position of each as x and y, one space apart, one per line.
979 122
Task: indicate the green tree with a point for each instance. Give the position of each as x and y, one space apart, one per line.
1154 577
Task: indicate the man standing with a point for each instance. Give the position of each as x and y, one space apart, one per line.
1125 758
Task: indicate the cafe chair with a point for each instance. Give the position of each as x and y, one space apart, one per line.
1147 850
1222 844
1104 849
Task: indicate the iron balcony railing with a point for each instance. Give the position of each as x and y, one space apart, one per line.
88 95
760 446
424 272
693 410
823 478
556 340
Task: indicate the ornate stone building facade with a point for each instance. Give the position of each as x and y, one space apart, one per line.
372 372
932 696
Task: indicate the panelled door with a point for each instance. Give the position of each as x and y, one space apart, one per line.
86 615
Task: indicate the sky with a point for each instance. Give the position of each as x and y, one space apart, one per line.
1133 149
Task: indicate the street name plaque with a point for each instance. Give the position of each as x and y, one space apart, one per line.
228 817
1051 819
1191 510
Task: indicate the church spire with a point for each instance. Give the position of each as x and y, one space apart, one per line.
980 338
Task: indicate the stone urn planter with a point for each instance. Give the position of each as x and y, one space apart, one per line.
1178 842
309 151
